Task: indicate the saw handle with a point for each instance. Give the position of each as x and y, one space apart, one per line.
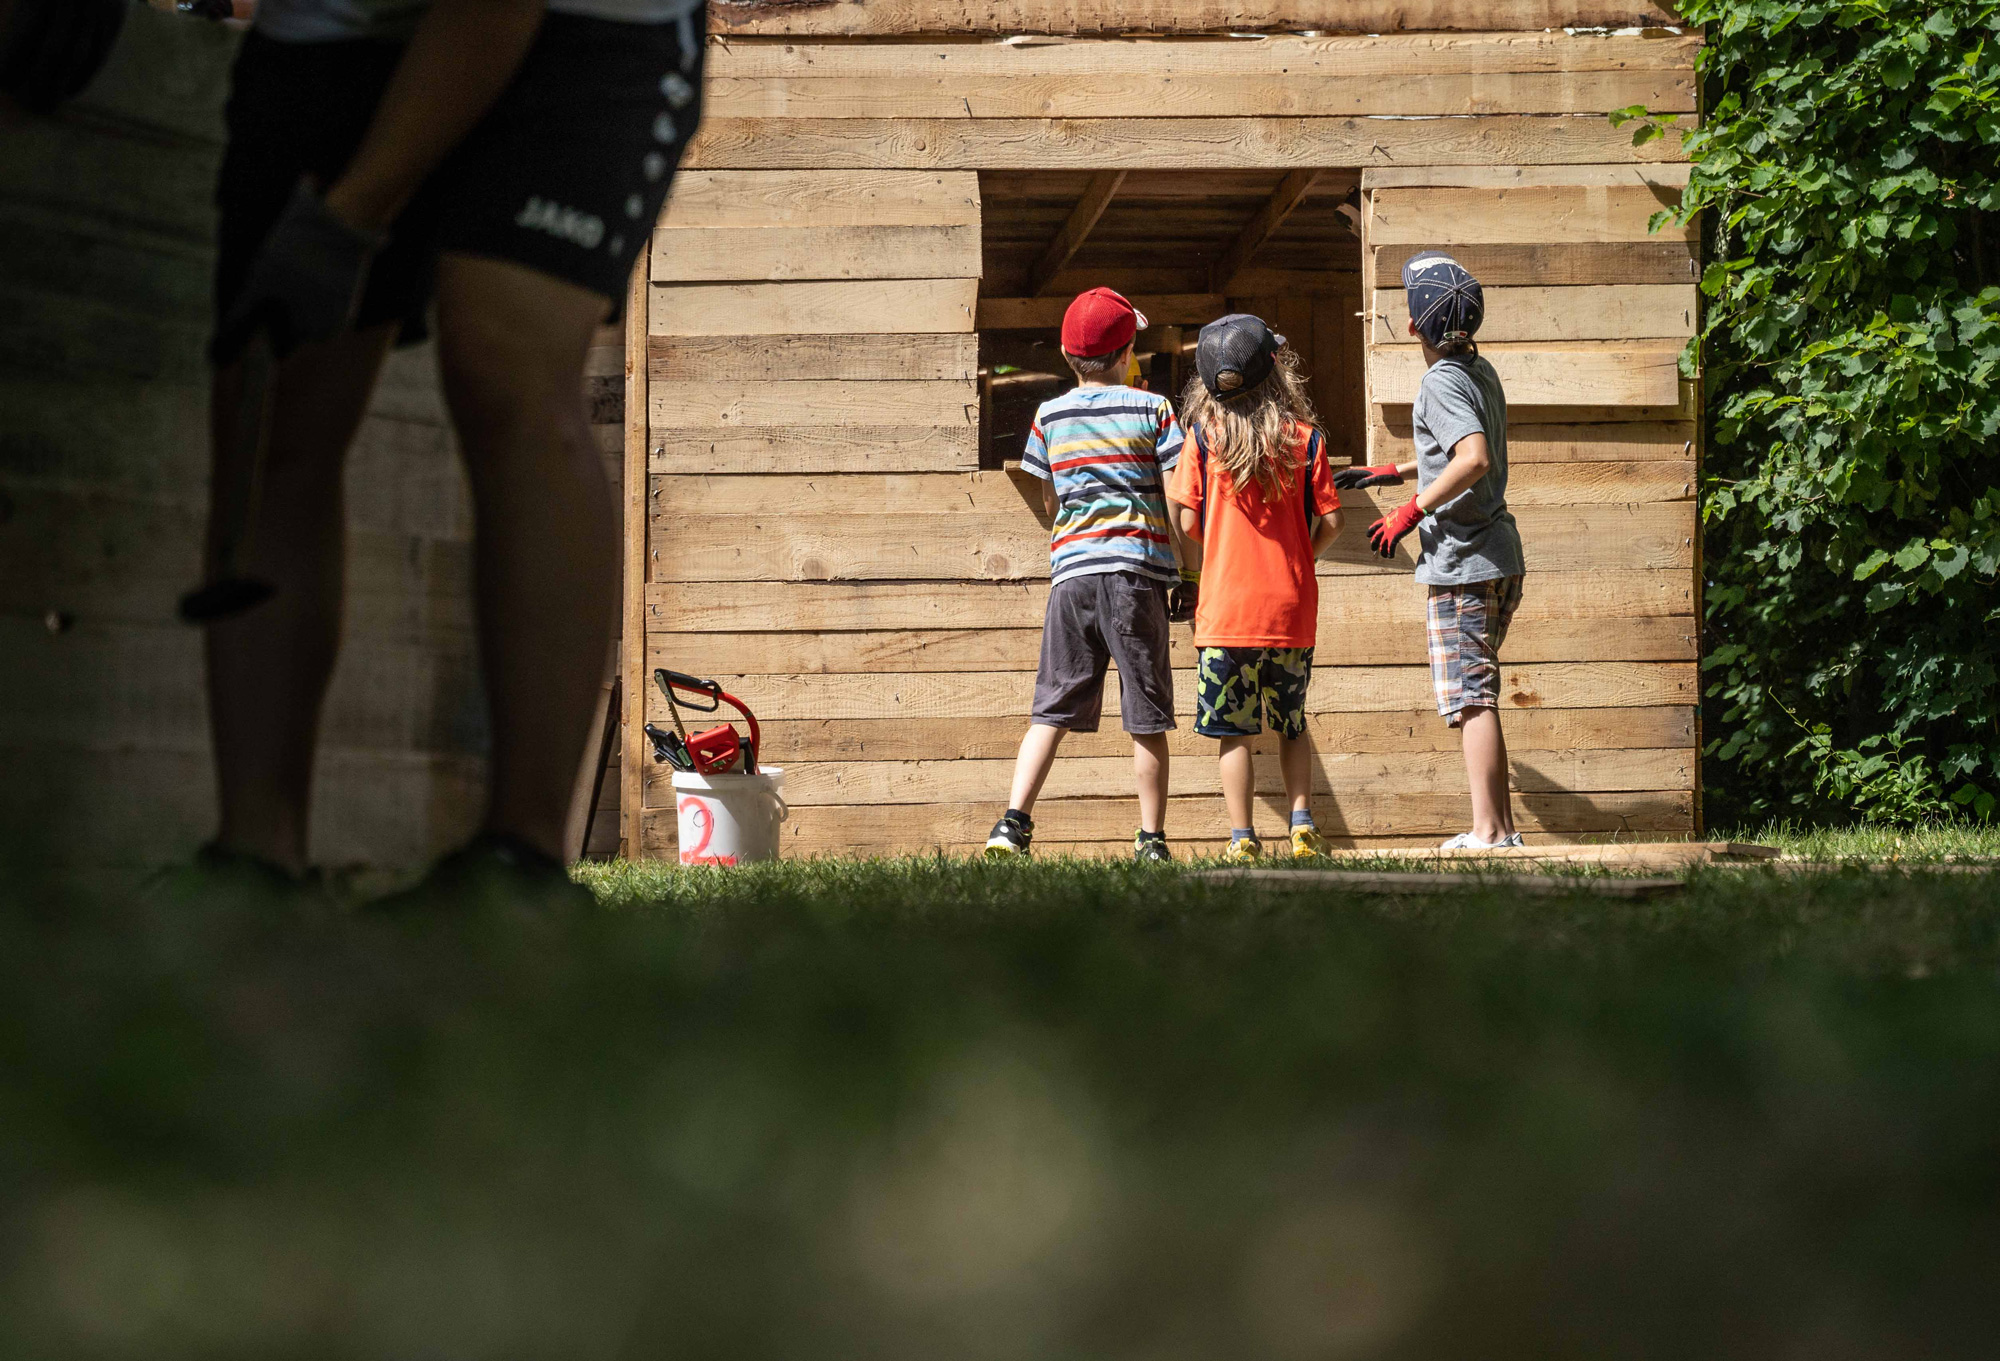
671 681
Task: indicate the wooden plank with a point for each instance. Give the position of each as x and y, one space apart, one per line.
634 610
1270 215
923 306
1657 175
977 546
1365 777
1449 217
917 827
997 737
1592 373
1301 58
854 18
1046 314
1538 442
796 358
735 405
1166 143
873 606
811 197
941 92
1571 263
1609 312
1098 192
1395 641
815 449
696 254
900 495
1349 689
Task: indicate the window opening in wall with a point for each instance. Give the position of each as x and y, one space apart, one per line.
1187 247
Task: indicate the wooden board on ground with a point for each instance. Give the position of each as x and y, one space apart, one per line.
1628 855
872 306
1166 143
1391 883
855 18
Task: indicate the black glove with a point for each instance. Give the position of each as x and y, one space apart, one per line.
305 282
1182 597
1381 475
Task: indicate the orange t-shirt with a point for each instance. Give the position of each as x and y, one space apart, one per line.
1257 582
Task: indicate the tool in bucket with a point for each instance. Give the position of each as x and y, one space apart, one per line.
717 751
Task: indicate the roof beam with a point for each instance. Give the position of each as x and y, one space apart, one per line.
1291 191
1097 196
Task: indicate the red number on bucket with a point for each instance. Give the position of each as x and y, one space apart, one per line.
703 817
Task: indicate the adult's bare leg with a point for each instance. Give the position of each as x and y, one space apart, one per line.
511 345
268 669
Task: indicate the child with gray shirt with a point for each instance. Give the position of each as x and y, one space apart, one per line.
1469 552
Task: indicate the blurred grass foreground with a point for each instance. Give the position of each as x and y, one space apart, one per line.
939 1110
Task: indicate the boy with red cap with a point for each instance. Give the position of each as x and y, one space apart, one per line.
1103 451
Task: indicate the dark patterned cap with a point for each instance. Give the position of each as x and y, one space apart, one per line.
1234 355
1445 302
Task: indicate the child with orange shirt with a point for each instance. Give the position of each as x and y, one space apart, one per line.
1257 494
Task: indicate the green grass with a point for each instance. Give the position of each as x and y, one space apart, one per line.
1938 842
934 1109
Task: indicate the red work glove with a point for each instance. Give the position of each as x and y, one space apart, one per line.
1381 475
1387 532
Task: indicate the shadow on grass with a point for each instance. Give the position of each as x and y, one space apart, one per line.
932 1109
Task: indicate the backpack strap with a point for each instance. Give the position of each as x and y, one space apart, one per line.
1201 476
1315 450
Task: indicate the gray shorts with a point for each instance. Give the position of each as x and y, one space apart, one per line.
1106 617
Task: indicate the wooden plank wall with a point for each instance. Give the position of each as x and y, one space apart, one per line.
819 533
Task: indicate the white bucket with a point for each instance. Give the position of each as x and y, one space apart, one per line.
730 819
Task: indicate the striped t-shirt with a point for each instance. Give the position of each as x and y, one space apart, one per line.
1108 450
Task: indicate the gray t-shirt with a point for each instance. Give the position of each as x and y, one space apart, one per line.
1471 537
318 21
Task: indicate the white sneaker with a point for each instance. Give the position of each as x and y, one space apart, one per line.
1466 841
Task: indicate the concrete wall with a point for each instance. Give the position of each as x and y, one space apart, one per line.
105 254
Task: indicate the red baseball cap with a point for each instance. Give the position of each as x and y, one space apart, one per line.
1100 322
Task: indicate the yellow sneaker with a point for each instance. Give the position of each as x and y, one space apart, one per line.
1243 850
1307 843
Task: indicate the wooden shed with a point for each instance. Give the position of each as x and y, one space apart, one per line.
850 316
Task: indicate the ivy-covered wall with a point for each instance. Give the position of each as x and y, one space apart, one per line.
1849 171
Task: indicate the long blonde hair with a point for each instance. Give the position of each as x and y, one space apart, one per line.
1253 436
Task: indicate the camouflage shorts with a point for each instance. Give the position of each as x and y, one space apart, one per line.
1236 687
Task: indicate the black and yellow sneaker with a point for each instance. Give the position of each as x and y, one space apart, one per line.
1012 837
1307 843
1243 850
1150 848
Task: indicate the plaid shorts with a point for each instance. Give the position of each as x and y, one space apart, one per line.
1467 625
1236 686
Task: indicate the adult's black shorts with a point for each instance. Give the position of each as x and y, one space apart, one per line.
565 174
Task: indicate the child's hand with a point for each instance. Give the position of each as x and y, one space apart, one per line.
1387 532
1182 598
1381 475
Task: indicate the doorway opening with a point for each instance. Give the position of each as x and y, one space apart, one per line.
1186 247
